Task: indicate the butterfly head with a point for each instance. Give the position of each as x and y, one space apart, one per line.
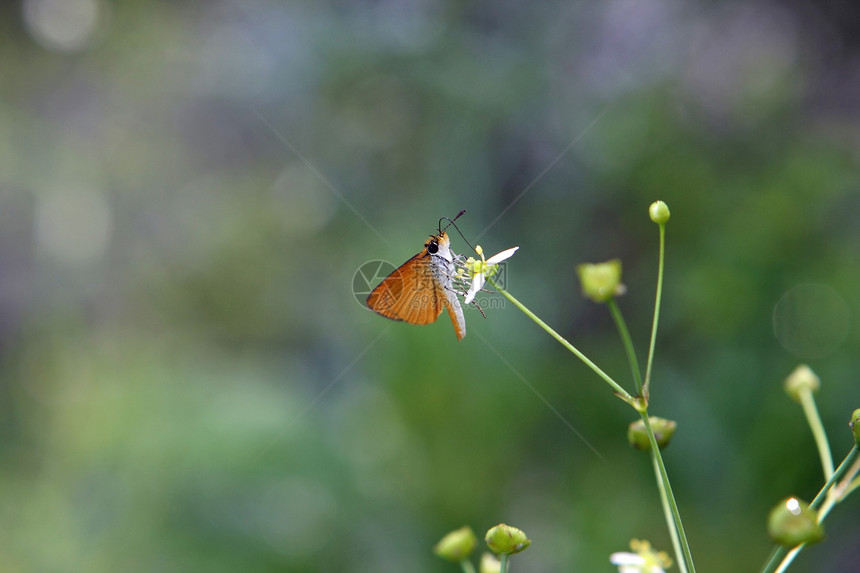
438 243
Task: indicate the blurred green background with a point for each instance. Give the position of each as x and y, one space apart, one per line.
187 190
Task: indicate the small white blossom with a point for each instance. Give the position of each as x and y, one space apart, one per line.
489 564
644 560
481 269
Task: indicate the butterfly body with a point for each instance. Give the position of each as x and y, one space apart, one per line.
421 288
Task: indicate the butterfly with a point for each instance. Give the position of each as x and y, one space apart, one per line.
421 288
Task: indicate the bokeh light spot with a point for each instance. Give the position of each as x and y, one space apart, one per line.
63 25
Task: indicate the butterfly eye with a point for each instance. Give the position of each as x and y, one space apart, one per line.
432 247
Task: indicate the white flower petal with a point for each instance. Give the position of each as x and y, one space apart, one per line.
498 258
623 558
477 283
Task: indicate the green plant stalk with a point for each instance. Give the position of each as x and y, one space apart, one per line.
646 391
670 507
818 432
790 557
503 563
667 512
670 495
467 566
621 392
661 485
628 343
854 485
843 468
779 553
836 494
841 491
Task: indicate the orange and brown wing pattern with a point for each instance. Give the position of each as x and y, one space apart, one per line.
410 293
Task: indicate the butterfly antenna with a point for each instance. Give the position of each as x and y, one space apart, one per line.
451 222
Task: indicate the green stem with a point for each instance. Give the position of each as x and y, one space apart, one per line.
855 483
776 557
790 557
835 495
667 512
503 563
628 343
670 495
646 391
818 432
841 491
843 468
621 392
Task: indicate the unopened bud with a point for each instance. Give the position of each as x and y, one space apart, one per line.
659 212
802 380
664 429
506 539
793 522
457 545
601 281
854 424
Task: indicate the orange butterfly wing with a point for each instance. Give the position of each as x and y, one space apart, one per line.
410 293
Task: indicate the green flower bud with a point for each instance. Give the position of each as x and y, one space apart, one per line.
506 539
803 379
489 564
659 212
457 545
663 431
854 424
601 281
793 522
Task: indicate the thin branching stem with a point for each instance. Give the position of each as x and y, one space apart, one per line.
628 343
621 392
670 495
779 554
646 391
810 410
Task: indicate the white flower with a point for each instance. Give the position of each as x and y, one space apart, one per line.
645 560
481 269
489 563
